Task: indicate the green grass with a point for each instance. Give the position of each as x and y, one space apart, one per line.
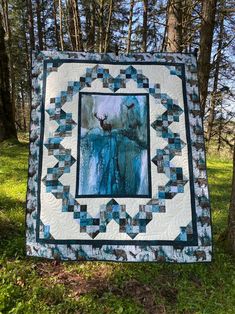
31 286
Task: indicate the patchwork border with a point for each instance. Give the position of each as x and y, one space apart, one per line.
176 252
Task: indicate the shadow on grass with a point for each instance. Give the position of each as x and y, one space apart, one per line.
10 150
12 235
96 287
140 288
8 203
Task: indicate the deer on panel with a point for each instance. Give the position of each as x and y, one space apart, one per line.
105 126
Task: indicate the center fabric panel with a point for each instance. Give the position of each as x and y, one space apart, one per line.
113 146
118 159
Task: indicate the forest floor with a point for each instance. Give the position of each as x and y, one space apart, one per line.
34 286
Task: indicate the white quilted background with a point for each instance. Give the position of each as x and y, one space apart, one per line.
164 226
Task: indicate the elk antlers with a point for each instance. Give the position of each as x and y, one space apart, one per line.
104 126
99 118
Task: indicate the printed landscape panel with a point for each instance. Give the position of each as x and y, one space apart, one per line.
113 146
117 167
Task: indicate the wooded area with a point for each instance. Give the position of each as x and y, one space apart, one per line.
134 26
203 27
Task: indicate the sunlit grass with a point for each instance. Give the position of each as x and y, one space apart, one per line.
31 286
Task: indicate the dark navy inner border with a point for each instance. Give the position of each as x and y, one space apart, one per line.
149 195
96 243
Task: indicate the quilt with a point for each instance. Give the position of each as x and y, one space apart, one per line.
117 168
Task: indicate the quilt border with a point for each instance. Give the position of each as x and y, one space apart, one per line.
169 253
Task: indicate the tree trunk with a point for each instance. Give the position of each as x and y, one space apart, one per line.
10 57
77 24
39 24
31 24
211 118
7 125
220 128
72 25
187 34
128 47
57 37
145 26
27 59
61 26
173 41
44 22
90 26
164 40
101 22
231 217
107 33
23 108
206 38
214 94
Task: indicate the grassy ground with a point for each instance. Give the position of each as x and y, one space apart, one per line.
30 286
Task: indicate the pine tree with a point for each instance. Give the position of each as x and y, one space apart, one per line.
128 48
7 125
206 39
215 95
39 24
174 26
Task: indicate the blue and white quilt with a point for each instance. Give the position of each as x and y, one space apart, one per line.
117 166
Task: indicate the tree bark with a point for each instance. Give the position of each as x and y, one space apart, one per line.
145 26
220 128
107 33
77 23
71 24
75 26
101 21
206 38
90 26
211 118
23 108
214 94
31 24
7 125
10 57
39 24
128 47
28 60
61 26
173 41
44 22
231 217
57 36
187 28
164 40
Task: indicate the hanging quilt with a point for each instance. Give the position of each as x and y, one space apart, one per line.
117 166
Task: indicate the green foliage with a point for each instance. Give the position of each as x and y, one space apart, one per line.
31 286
